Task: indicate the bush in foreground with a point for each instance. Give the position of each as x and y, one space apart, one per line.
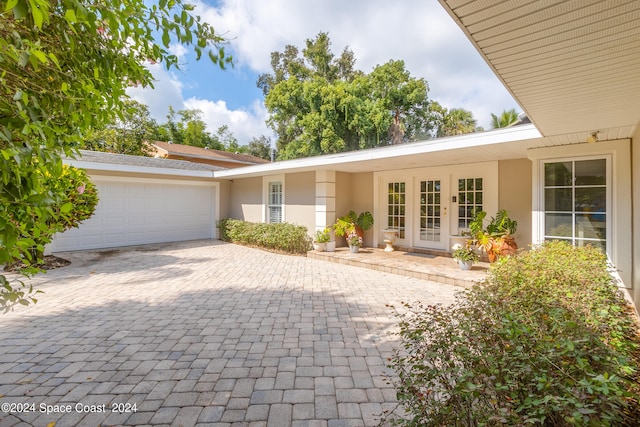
282 237
547 340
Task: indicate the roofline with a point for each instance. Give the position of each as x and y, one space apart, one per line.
477 139
115 167
218 159
196 156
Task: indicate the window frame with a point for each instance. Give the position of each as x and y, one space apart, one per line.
267 183
609 214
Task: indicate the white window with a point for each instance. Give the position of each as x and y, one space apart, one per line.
274 205
396 207
576 202
470 200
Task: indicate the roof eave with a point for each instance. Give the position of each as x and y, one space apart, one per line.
476 140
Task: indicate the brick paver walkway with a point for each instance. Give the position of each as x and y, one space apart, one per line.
203 333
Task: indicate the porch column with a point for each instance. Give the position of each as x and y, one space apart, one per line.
325 199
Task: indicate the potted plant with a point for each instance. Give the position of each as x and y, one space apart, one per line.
353 222
465 256
496 239
354 241
320 239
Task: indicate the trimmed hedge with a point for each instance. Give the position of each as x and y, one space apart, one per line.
282 237
547 340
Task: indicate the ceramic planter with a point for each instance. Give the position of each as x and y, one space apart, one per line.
465 265
319 247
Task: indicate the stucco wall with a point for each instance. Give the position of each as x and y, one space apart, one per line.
354 192
224 199
514 195
300 199
245 201
361 199
343 193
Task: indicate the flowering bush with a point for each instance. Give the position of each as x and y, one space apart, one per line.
354 240
464 253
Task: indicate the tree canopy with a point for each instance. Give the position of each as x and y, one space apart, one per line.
319 103
507 118
64 68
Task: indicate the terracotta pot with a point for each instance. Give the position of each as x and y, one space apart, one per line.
503 246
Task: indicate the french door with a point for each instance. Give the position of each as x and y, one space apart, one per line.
432 222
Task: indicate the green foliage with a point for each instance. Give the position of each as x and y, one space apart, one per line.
15 294
495 239
501 224
322 236
547 340
456 121
77 198
464 253
127 135
320 104
260 147
347 224
64 69
506 119
282 237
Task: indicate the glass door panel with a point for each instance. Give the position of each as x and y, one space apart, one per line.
432 230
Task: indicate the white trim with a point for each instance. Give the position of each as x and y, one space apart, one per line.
115 167
620 193
488 171
611 235
332 161
266 180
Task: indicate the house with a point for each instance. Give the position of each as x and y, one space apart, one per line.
573 173
225 159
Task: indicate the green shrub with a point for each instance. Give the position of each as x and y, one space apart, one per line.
281 237
547 340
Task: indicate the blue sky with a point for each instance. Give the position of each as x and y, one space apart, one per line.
419 32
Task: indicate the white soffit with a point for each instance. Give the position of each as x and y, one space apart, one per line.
573 66
499 144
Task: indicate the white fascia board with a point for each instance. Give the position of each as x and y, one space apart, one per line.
114 167
472 140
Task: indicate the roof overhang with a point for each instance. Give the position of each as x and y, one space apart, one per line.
110 164
571 65
507 143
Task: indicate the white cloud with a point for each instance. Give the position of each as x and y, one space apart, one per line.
178 50
167 92
242 123
419 32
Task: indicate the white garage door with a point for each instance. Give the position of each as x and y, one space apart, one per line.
134 211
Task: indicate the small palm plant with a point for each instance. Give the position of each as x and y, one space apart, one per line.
353 222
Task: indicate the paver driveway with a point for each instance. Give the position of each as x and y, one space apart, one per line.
203 333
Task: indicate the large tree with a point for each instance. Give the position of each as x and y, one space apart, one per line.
64 68
260 147
319 103
128 135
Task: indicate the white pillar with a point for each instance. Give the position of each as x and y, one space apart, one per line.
325 199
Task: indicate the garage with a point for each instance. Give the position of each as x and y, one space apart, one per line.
147 201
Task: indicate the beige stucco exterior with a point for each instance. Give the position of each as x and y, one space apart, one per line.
246 199
514 195
300 199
